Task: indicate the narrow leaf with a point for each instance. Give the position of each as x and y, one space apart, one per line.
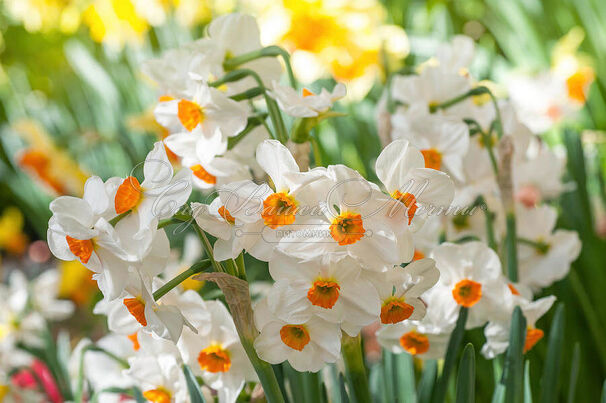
551 372
428 380
195 394
527 388
466 376
405 378
574 372
513 369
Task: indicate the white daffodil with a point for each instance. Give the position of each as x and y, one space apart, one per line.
545 255
443 140
218 356
335 289
470 277
306 346
44 296
538 178
161 318
497 332
421 191
433 86
307 104
159 196
156 369
414 338
401 289
457 54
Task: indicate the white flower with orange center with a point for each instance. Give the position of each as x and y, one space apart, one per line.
217 355
306 346
305 104
443 140
497 332
401 288
421 191
159 196
353 217
418 339
470 277
539 177
335 288
457 54
544 255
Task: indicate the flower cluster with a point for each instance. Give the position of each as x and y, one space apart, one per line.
460 181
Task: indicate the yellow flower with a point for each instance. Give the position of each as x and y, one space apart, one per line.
12 238
76 282
53 167
45 15
573 66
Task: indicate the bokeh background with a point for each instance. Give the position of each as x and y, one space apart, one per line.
73 102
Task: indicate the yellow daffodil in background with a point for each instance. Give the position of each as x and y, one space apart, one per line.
332 38
45 15
12 238
573 66
76 282
46 163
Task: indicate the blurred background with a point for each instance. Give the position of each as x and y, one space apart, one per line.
73 102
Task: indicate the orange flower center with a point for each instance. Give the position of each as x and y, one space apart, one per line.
533 336
223 212
165 98
190 114
433 158
418 255
395 310
577 84
513 290
414 343
82 248
279 209
135 340
128 195
324 293
136 307
307 92
158 395
409 200
214 359
467 292
203 174
294 336
347 228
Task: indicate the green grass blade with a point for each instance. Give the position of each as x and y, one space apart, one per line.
195 393
527 388
574 372
454 344
428 380
551 372
388 373
499 394
405 378
513 369
295 382
466 376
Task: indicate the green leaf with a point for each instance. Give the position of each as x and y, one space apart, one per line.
551 372
603 398
466 376
527 389
499 394
405 378
428 380
454 344
295 382
574 372
195 393
388 373
513 369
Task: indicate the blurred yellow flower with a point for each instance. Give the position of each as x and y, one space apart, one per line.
332 37
76 282
572 65
42 160
45 15
12 238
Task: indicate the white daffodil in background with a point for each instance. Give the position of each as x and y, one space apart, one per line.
306 104
217 355
306 346
335 289
415 338
539 177
545 255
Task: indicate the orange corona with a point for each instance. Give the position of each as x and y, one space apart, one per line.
214 359
324 293
533 336
467 292
347 228
279 209
203 174
190 114
395 310
433 158
414 343
295 336
136 307
409 200
128 195
158 395
82 248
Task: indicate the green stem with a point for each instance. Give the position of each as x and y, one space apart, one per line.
269 51
264 371
454 345
453 101
241 267
315 145
541 247
511 247
253 122
248 94
117 218
181 277
490 236
351 349
208 249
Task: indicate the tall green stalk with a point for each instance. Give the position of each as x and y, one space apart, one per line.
351 349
